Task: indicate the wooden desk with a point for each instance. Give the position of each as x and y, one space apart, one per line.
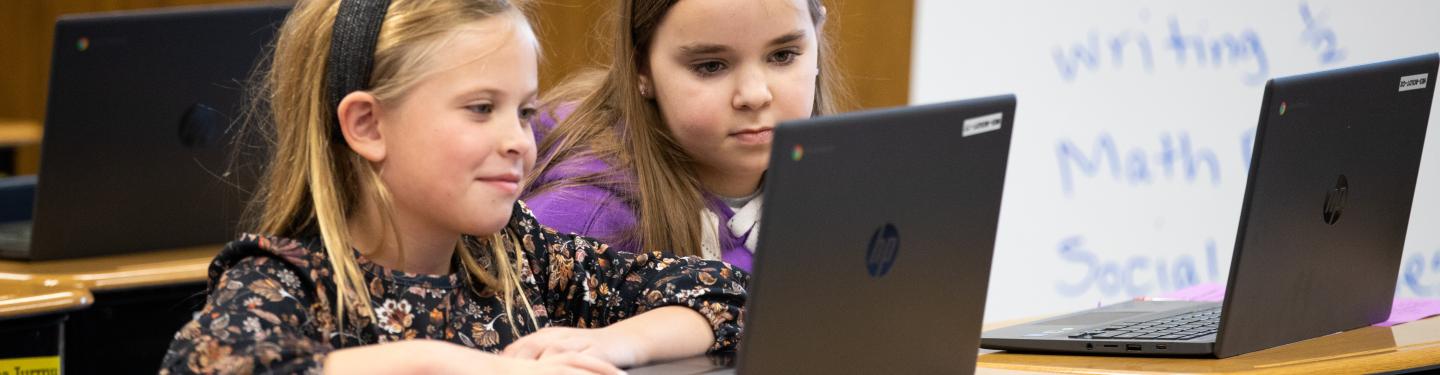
25 299
18 146
1365 350
54 286
110 314
19 133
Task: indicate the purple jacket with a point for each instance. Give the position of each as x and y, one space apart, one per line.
607 210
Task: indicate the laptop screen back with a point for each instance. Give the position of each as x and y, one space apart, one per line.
138 134
876 242
1327 205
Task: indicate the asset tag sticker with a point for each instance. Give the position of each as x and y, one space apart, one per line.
1414 82
982 124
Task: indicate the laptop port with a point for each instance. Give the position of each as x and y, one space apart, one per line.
1161 346
1089 346
1132 347
1112 346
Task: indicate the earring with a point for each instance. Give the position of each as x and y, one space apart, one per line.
644 91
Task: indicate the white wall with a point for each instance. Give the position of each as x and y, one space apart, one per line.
1129 155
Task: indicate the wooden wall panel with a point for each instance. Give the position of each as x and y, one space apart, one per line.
873 47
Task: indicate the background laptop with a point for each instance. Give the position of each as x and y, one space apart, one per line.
136 153
1322 226
875 248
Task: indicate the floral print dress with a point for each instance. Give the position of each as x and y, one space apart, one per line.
270 305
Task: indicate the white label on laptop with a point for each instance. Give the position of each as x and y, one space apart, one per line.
982 124
1407 83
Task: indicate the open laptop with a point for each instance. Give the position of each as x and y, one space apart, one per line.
1321 232
138 131
875 247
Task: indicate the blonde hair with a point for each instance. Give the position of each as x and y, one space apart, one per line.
613 122
312 181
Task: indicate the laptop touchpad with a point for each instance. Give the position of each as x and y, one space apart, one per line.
1092 318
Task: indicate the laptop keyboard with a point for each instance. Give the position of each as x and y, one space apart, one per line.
1177 327
15 235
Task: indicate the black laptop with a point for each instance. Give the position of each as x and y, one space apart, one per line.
875 247
1322 226
138 131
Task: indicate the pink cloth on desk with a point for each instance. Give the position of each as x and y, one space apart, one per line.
1404 310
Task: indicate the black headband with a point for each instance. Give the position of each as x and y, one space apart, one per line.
352 51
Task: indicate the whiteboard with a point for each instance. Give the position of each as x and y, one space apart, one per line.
1134 127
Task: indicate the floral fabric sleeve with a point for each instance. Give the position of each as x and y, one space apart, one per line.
586 284
255 320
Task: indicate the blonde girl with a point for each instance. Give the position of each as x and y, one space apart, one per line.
390 237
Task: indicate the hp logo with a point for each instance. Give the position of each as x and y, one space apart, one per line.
201 127
884 247
1335 200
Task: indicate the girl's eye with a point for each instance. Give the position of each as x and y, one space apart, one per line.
528 114
484 108
707 68
783 57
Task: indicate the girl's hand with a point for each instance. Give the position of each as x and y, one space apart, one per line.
663 334
559 363
610 345
439 357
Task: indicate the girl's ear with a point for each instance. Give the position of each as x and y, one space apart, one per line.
824 15
359 114
646 89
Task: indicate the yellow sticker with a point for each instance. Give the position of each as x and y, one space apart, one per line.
30 366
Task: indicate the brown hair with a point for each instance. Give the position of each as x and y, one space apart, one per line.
613 122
